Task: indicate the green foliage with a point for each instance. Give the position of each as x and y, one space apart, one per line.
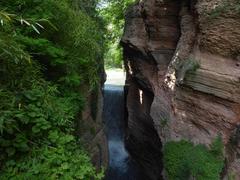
49 50
114 56
60 159
216 147
187 65
77 44
113 12
183 160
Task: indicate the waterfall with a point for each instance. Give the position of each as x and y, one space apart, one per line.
121 166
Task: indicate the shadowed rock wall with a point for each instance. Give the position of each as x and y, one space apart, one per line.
90 126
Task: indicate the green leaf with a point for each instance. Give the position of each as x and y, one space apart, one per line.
10 151
32 114
36 129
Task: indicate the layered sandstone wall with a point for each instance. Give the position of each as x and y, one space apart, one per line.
187 54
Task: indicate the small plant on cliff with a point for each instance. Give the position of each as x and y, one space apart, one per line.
164 122
218 10
189 65
183 160
232 176
225 7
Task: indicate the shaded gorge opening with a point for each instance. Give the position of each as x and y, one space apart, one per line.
133 144
121 165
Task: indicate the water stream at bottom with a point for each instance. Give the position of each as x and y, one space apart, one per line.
121 166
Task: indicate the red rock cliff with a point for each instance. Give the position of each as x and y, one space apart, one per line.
183 67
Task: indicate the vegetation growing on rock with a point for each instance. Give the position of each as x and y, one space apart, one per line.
49 49
183 160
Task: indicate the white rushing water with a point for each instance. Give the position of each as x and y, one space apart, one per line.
121 166
115 77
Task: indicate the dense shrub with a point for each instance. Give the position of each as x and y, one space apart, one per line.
60 159
49 49
183 160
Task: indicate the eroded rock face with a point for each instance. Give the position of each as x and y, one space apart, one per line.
142 139
161 39
91 129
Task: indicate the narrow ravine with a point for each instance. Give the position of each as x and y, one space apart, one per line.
121 166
